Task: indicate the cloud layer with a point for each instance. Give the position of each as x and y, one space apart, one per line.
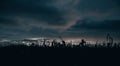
71 18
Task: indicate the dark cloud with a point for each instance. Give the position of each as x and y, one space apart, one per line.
7 22
86 24
36 10
98 5
99 9
34 18
94 29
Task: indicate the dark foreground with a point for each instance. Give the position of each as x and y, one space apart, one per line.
38 56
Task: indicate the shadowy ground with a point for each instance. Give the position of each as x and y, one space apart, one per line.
44 56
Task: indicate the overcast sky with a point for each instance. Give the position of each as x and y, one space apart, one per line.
90 19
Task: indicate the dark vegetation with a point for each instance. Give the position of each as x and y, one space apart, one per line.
58 45
57 54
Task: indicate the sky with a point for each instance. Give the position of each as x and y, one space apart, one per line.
88 19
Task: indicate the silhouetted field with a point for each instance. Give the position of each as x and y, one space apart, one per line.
22 55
